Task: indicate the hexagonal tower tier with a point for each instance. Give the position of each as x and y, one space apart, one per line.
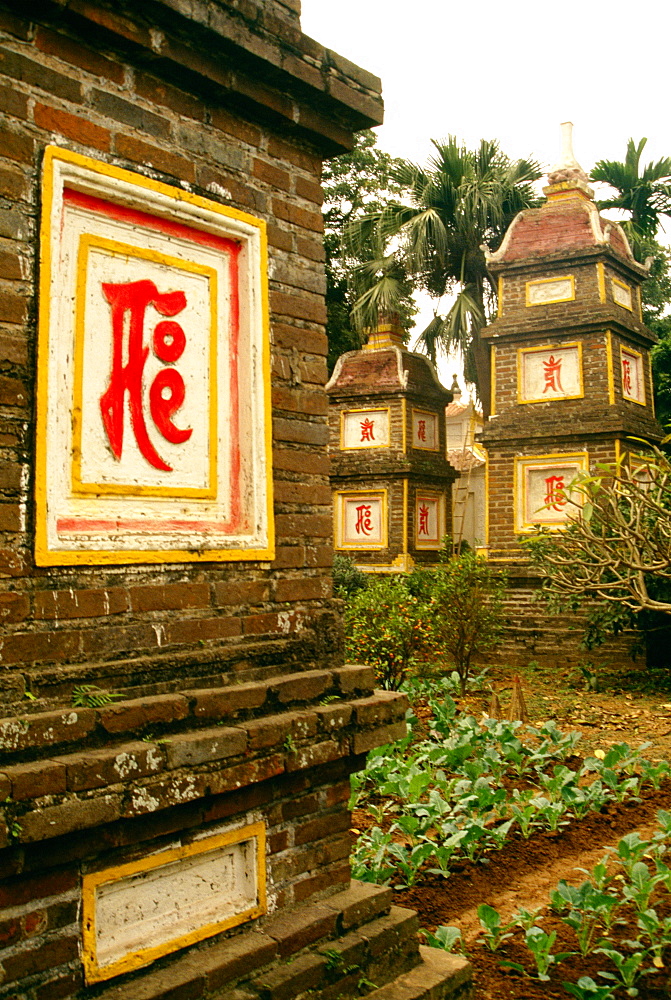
570 354
390 476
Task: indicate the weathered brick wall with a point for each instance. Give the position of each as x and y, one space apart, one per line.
55 87
236 706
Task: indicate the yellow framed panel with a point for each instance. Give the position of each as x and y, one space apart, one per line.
341 499
573 461
113 247
437 497
135 958
365 445
523 352
638 357
622 294
435 422
134 192
565 291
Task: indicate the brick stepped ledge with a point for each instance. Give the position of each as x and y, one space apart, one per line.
79 768
350 944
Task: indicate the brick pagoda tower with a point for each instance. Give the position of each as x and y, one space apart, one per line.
390 476
571 376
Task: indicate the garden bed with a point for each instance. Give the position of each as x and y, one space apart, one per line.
514 872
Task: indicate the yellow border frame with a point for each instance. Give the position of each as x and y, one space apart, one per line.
492 374
610 368
622 284
43 555
601 281
548 347
404 421
639 355
499 304
364 409
428 413
94 973
88 241
546 281
521 463
430 495
339 519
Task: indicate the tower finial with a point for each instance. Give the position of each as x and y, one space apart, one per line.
567 171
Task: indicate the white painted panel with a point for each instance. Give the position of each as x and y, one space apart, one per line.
150 908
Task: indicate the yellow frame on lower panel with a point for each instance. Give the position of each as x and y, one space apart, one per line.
548 347
338 515
519 486
94 973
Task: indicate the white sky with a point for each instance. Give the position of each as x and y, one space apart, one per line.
511 71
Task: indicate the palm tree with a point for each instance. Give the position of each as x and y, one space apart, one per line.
645 194
459 205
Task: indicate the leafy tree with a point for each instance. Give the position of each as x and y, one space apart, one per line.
348 579
354 184
466 611
463 200
616 548
643 192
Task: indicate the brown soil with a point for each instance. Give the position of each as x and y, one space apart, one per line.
525 871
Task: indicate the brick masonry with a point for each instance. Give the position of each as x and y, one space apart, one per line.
234 702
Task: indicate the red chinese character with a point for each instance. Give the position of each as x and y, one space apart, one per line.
552 374
129 302
626 377
423 520
421 430
367 428
364 524
554 495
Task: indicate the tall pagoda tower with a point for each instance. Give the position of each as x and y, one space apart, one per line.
390 476
570 357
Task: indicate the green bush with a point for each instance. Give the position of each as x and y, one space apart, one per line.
348 579
465 612
386 626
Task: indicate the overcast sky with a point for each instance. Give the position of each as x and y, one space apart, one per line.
511 71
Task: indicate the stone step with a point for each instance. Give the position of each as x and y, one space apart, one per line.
376 952
439 976
282 951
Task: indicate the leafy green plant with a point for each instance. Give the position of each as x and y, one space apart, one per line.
587 989
92 696
629 968
446 938
495 933
540 945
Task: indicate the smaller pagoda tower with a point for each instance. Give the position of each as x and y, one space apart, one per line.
390 477
570 356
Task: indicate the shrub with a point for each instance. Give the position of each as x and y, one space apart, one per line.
385 626
348 579
465 613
